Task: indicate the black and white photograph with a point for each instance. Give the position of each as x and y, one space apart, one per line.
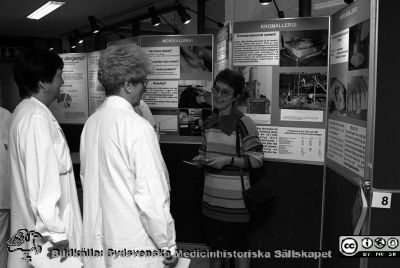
357 97
359 46
304 48
302 91
256 97
194 96
337 102
195 59
190 121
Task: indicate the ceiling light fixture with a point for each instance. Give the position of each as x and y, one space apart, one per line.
45 9
78 37
185 17
220 25
93 24
72 41
265 2
155 20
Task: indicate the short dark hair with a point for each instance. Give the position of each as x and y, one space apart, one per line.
233 79
34 65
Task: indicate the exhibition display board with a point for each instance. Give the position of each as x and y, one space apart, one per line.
179 90
350 96
71 105
284 62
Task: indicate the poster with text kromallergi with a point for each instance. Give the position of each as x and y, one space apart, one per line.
179 89
349 90
71 104
284 62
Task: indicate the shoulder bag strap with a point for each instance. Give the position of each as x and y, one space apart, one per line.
238 152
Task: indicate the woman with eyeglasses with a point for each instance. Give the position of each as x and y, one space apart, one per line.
226 217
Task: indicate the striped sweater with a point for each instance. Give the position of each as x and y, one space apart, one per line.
222 196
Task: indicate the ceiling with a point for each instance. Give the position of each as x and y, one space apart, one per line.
71 16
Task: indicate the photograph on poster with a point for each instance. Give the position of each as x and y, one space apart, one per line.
256 96
190 121
302 91
166 122
64 100
337 97
194 94
195 59
304 48
359 46
357 97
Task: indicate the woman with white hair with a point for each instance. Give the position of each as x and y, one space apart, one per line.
125 188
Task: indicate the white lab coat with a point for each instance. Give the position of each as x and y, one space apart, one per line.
125 191
4 185
43 191
4 180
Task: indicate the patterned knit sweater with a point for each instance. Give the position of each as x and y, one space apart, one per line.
222 196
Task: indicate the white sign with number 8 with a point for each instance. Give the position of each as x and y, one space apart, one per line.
381 200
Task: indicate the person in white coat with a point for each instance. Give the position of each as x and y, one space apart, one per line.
4 186
126 200
43 192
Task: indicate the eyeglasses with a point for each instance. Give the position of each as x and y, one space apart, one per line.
225 93
145 82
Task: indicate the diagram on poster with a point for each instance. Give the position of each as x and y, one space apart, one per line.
166 123
302 96
71 104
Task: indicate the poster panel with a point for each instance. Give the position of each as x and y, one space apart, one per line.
284 63
222 44
179 90
348 90
96 90
71 104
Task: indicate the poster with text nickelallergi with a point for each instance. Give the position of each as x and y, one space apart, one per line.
179 89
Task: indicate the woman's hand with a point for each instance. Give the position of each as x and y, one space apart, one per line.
219 162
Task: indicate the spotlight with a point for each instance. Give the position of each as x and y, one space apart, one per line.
265 2
155 20
220 25
348 1
78 37
93 24
72 41
185 17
